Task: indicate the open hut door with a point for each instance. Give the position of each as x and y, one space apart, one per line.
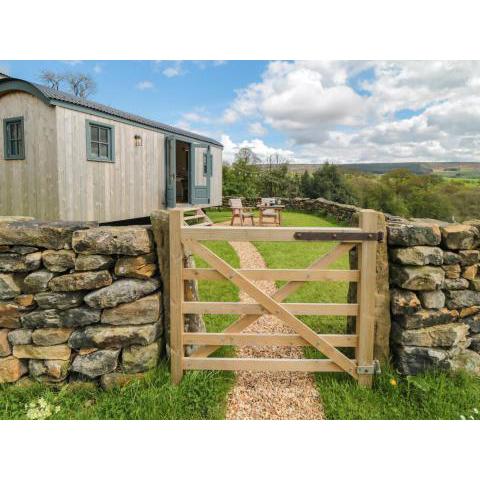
170 171
201 173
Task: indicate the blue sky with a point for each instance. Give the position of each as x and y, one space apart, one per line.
305 111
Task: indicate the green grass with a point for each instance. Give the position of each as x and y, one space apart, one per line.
200 395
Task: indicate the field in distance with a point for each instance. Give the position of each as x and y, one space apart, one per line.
464 170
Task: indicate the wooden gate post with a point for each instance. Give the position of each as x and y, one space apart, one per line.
176 295
366 296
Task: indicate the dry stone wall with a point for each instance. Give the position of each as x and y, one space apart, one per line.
435 295
78 302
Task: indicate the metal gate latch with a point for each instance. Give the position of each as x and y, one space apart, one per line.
369 369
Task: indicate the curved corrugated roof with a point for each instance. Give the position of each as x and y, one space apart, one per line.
68 99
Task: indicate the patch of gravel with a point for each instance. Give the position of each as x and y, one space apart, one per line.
270 395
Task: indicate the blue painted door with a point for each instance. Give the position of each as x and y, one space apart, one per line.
200 173
170 172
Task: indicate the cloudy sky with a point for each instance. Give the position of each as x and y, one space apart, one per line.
307 111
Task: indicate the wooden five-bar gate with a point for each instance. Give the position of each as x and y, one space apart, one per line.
188 238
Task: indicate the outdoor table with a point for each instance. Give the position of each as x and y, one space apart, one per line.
278 213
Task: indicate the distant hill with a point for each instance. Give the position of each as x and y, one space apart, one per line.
450 169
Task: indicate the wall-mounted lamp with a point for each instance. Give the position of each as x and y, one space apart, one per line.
138 141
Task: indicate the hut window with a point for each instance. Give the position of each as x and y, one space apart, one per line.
14 139
100 142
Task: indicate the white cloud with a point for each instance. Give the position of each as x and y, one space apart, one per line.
173 70
73 63
300 99
230 149
98 69
195 117
413 110
144 85
4 68
256 128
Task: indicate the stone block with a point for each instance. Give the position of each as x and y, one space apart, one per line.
475 343
468 257
10 286
459 237
96 364
10 314
54 235
468 361
418 255
113 380
51 336
58 260
403 302
11 369
475 284
427 318
473 323
448 335
93 262
451 258
37 281
55 352
144 310
414 360
462 298
5 348
25 300
452 271
79 317
121 291
59 300
142 267
113 241
15 262
455 284
80 281
21 336
49 370
434 299
407 235
136 359
114 337
417 278
470 272
468 311
42 319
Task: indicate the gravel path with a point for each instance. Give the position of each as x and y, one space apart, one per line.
270 395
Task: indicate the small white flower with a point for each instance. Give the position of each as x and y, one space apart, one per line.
462 417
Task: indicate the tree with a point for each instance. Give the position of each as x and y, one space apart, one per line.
306 184
81 84
329 182
52 79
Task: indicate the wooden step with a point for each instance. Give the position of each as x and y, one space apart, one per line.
194 217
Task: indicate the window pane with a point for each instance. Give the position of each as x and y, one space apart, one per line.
94 149
103 150
94 133
13 148
19 131
103 135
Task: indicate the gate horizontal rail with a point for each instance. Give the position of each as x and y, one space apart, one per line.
184 238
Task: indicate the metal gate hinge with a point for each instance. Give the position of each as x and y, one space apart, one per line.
372 369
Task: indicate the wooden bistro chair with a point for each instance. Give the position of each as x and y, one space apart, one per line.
266 212
239 211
